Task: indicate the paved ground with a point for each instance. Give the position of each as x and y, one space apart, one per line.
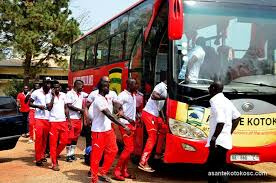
17 166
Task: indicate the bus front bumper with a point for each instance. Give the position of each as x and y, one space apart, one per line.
181 150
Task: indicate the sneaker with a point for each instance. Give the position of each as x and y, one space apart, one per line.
104 178
44 160
39 163
55 168
73 157
117 175
146 168
68 159
30 141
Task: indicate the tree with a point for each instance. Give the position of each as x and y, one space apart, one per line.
38 30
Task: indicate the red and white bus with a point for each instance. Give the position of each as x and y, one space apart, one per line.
239 42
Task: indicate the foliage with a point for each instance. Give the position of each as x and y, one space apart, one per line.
13 87
39 30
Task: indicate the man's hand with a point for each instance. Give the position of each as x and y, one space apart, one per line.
41 107
128 131
69 125
213 142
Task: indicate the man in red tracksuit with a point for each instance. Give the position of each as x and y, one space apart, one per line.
154 123
36 86
58 123
127 99
103 136
74 100
42 126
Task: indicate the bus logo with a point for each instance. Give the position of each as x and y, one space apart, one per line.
87 80
247 106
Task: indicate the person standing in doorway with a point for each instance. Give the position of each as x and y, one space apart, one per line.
75 100
24 109
154 120
42 125
223 121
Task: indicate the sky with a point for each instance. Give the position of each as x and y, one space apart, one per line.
91 13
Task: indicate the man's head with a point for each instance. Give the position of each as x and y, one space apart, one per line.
56 87
215 88
25 89
201 41
131 85
47 84
103 85
36 86
78 86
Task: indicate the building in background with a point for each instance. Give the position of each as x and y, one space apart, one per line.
13 69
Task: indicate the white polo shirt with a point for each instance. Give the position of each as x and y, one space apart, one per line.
222 111
100 123
128 101
154 106
39 98
76 100
199 53
57 114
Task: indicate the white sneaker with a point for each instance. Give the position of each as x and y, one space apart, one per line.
30 141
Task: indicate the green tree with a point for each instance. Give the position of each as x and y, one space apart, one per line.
38 30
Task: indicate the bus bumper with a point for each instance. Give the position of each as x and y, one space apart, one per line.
181 150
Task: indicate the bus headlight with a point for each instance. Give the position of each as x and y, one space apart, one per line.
185 130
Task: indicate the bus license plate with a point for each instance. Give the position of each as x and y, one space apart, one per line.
244 157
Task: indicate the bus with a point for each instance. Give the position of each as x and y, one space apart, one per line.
238 39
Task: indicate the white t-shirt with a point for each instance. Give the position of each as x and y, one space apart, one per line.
57 114
39 98
154 106
128 101
222 111
100 123
76 100
199 53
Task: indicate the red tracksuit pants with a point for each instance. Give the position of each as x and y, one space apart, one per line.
58 130
75 131
31 123
156 128
42 127
121 167
102 142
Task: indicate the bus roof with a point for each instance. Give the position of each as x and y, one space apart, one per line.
106 22
257 2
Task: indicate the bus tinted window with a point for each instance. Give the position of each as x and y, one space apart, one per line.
78 59
102 52
90 56
104 32
117 47
138 19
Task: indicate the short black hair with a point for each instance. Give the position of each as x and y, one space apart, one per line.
78 80
55 82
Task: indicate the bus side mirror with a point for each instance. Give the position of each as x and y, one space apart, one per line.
175 19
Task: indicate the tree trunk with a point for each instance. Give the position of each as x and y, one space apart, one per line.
27 67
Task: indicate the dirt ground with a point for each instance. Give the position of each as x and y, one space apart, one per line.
17 166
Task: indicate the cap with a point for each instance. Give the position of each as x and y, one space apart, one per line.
47 79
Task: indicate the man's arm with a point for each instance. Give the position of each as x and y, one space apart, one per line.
156 96
36 106
218 130
190 64
73 108
50 105
235 123
115 120
66 109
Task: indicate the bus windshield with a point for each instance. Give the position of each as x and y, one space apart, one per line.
231 42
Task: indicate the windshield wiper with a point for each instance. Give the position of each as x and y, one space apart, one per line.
256 84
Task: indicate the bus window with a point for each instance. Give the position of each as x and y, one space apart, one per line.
78 60
117 47
90 50
104 32
102 52
138 18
